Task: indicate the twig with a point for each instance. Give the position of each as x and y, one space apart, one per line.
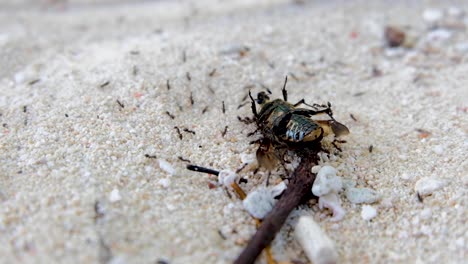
298 189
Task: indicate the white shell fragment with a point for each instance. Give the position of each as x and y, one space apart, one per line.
326 181
368 212
227 178
326 187
260 202
166 166
426 185
318 247
362 195
332 201
114 196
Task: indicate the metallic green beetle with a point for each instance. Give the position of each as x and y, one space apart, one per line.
283 123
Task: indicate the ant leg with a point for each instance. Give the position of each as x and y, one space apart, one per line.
285 93
254 108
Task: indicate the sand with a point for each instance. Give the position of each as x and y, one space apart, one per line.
88 88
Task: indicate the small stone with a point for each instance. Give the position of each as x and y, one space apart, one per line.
368 212
426 185
362 195
394 36
114 196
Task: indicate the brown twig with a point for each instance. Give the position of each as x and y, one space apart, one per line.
298 189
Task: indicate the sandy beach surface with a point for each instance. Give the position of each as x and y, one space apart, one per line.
104 103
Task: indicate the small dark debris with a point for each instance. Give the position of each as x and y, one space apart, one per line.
162 261
66 115
191 99
224 108
371 148
227 192
25 109
212 73
184 56
353 117
189 78
34 81
359 94
104 84
293 76
120 104
98 210
376 72
420 199
211 89
243 180
5 125
168 85
224 131
150 156
183 159
221 234
423 133
394 37
204 110
170 115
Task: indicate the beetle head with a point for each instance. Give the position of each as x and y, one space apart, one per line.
262 98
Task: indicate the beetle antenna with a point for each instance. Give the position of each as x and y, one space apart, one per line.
285 93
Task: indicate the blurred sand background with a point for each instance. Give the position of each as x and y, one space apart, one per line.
84 96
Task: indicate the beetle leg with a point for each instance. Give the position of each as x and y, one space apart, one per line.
285 93
314 106
254 108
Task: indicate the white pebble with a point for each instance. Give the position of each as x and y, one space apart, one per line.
227 178
114 196
426 213
368 212
426 185
164 182
362 195
432 15
166 166
318 247
326 182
